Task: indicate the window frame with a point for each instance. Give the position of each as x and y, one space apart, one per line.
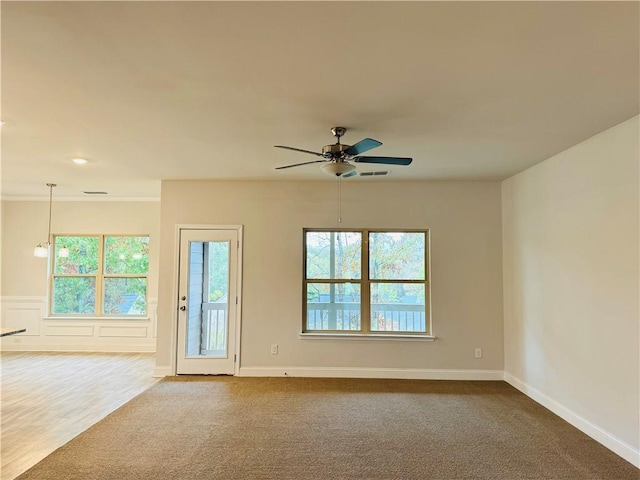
365 285
99 276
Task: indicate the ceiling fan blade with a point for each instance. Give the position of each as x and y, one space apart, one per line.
385 160
362 146
298 164
350 174
299 150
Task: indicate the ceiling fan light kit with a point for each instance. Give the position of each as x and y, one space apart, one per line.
338 168
336 157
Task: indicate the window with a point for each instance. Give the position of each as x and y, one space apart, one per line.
366 282
102 275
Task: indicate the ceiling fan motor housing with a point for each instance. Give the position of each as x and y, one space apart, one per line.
334 151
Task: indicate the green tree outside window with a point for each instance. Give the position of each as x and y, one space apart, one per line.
102 275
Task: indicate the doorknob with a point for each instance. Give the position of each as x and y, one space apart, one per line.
183 298
183 308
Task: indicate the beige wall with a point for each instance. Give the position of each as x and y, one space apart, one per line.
571 285
24 277
563 240
465 224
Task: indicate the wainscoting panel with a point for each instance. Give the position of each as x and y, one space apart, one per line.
23 315
110 331
74 335
68 330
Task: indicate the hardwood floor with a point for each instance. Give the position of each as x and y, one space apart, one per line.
49 398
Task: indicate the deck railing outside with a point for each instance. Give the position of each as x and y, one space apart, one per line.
385 317
214 326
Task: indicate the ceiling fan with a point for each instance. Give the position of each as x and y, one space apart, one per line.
337 157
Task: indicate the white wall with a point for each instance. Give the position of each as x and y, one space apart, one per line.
465 224
571 285
24 277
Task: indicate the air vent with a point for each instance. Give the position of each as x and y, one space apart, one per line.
95 193
374 174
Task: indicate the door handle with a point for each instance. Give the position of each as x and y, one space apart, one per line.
183 308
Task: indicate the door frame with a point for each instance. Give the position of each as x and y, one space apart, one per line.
176 294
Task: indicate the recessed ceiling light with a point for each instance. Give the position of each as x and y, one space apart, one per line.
95 193
80 161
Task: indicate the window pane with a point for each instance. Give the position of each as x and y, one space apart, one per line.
126 255
333 306
83 255
333 255
398 307
396 256
125 296
74 295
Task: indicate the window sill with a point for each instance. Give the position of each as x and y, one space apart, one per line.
89 318
363 337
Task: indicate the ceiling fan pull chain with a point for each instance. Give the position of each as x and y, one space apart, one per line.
339 200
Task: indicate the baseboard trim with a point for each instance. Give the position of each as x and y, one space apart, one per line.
399 373
617 446
164 371
21 347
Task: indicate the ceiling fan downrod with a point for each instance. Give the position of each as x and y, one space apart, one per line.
338 132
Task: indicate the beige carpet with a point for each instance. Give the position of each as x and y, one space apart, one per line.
297 428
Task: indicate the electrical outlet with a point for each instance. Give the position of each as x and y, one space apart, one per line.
478 353
274 349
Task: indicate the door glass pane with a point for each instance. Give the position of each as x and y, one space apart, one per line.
74 295
396 255
195 293
333 306
398 307
333 255
208 299
216 306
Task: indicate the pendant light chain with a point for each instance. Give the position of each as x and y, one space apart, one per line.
50 185
42 249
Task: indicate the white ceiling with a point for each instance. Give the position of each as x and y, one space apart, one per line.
203 90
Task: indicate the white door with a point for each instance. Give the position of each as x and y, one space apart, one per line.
207 301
